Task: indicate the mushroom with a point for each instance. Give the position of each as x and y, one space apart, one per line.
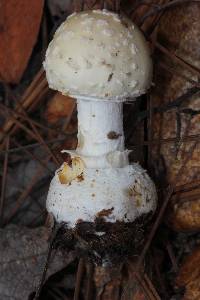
101 59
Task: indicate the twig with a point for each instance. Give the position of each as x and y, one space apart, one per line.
4 177
169 193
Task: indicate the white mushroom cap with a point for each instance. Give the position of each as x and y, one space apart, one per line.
98 54
117 194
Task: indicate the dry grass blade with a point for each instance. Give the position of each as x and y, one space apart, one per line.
50 248
30 99
42 141
187 187
169 193
149 130
13 129
79 275
160 280
21 148
185 138
34 133
172 256
150 293
151 286
25 117
22 126
179 74
89 281
185 196
176 103
32 156
44 272
178 59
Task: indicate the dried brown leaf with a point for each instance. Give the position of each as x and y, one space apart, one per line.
179 33
23 252
19 26
184 213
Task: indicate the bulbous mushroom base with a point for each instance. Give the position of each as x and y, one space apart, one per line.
104 243
103 212
78 194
